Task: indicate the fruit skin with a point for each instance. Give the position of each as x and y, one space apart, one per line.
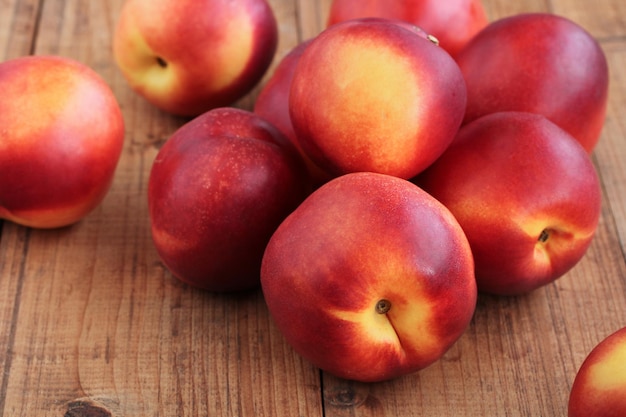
370 95
452 22
599 386
359 239
215 51
61 137
508 178
218 188
272 104
539 63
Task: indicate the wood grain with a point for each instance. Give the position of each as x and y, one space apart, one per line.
91 323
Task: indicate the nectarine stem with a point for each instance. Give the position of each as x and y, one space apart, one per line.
543 237
161 62
383 306
433 39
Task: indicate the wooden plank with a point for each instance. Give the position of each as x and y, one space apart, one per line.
605 19
312 17
610 152
18 25
13 246
499 9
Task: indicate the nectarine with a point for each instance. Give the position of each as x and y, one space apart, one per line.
452 22
272 104
370 278
61 137
539 63
218 188
372 95
526 194
189 56
600 383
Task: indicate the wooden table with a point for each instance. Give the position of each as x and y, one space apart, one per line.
92 324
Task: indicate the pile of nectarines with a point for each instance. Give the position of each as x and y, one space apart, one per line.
378 110
404 159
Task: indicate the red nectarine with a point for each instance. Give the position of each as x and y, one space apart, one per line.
539 63
452 22
218 188
370 278
526 194
272 104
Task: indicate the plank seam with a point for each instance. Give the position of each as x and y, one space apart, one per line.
38 17
13 329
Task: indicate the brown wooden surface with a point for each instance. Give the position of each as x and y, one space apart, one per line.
91 321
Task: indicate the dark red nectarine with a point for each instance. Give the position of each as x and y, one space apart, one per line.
218 188
539 63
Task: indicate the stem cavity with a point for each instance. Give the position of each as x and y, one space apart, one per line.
383 306
543 237
162 63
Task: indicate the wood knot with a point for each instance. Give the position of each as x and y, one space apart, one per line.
86 408
346 396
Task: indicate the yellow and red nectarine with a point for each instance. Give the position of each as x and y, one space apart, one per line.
61 136
189 56
372 95
600 384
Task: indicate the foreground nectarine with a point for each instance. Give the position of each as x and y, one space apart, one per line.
526 194
189 56
370 278
218 188
600 383
372 95
539 63
61 136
